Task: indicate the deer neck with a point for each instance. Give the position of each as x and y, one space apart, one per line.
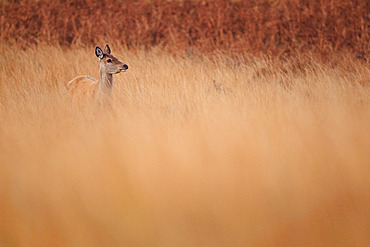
105 82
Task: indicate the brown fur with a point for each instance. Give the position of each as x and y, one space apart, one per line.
83 87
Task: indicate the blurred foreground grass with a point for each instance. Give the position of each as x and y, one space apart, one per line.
277 155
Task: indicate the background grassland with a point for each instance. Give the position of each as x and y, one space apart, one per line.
276 156
278 27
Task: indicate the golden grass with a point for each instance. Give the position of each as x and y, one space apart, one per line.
276 156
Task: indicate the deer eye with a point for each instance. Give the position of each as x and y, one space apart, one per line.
109 60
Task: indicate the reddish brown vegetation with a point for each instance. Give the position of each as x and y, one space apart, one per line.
254 26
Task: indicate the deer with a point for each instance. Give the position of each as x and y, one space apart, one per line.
87 88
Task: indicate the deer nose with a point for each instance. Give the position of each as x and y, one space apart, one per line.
125 66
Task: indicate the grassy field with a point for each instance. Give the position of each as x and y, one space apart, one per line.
277 27
275 155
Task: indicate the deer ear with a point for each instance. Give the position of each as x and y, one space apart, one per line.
99 52
107 49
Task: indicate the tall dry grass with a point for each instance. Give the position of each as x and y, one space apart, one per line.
278 155
278 27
